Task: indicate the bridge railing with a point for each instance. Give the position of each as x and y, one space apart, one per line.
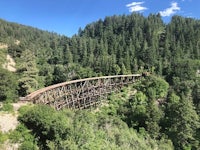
82 93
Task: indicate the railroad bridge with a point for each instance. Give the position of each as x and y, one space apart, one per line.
80 94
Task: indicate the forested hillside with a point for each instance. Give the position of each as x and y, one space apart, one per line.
166 106
115 45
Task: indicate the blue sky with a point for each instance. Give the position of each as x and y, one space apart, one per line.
66 16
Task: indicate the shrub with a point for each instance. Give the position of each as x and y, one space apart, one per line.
7 107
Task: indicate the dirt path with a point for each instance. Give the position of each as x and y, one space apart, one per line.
8 121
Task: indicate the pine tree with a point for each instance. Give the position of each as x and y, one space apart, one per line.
183 123
28 72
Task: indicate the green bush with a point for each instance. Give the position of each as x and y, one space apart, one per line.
46 123
27 145
7 107
3 138
24 109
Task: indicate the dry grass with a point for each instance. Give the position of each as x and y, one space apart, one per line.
9 64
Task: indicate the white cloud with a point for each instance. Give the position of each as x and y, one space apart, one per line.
134 3
170 11
135 6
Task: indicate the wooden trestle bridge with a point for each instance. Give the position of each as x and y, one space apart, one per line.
80 94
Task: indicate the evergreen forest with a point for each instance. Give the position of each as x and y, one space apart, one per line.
162 111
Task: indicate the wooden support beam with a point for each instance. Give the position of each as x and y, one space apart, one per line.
80 94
